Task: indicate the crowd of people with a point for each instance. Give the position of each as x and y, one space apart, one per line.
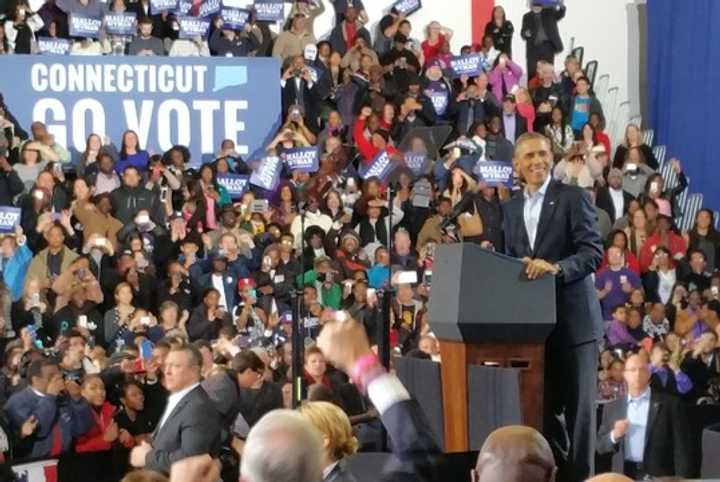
146 315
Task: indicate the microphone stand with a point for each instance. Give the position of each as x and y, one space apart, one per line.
385 296
298 343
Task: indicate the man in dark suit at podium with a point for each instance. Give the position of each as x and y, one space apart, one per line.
552 227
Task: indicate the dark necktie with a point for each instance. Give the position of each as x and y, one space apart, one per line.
471 114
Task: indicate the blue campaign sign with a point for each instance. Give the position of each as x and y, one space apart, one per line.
306 159
267 174
440 99
210 7
381 167
416 162
159 6
270 10
470 65
195 102
192 27
236 18
183 7
547 3
55 46
494 173
9 218
123 23
406 7
84 26
235 184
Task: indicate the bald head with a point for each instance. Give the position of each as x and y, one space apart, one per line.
282 447
610 478
637 374
515 454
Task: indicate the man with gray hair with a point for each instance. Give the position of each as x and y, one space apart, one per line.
282 447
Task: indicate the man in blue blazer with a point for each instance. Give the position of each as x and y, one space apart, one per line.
61 412
552 227
222 280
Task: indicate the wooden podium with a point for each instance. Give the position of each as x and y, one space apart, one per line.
485 311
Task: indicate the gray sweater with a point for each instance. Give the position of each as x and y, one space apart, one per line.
635 183
28 174
153 43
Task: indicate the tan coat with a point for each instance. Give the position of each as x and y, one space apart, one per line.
38 269
95 222
67 282
289 44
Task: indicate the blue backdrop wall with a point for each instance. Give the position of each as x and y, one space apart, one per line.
684 82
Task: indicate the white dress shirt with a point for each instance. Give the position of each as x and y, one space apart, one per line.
532 209
385 391
328 469
217 282
637 414
618 200
173 401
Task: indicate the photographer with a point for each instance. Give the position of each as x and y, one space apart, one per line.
323 277
58 406
20 29
249 319
298 91
208 318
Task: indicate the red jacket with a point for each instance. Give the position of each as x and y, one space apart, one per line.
631 262
432 51
676 245
93 440
604 140
367 150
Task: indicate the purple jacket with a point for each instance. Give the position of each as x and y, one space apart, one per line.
511 77
618 335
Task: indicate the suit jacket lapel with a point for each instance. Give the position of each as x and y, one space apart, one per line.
333 474
546 214
655 406
175 411
516 207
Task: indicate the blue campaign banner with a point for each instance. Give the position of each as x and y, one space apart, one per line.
55 46
470 65
234 184
494 173
236 18
305 159
84 26
547 3
195 102
192 27
159 6
210 7
270 10
183 7
9 218
440 99
267 174
406 7
381 167
123 23
416 162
